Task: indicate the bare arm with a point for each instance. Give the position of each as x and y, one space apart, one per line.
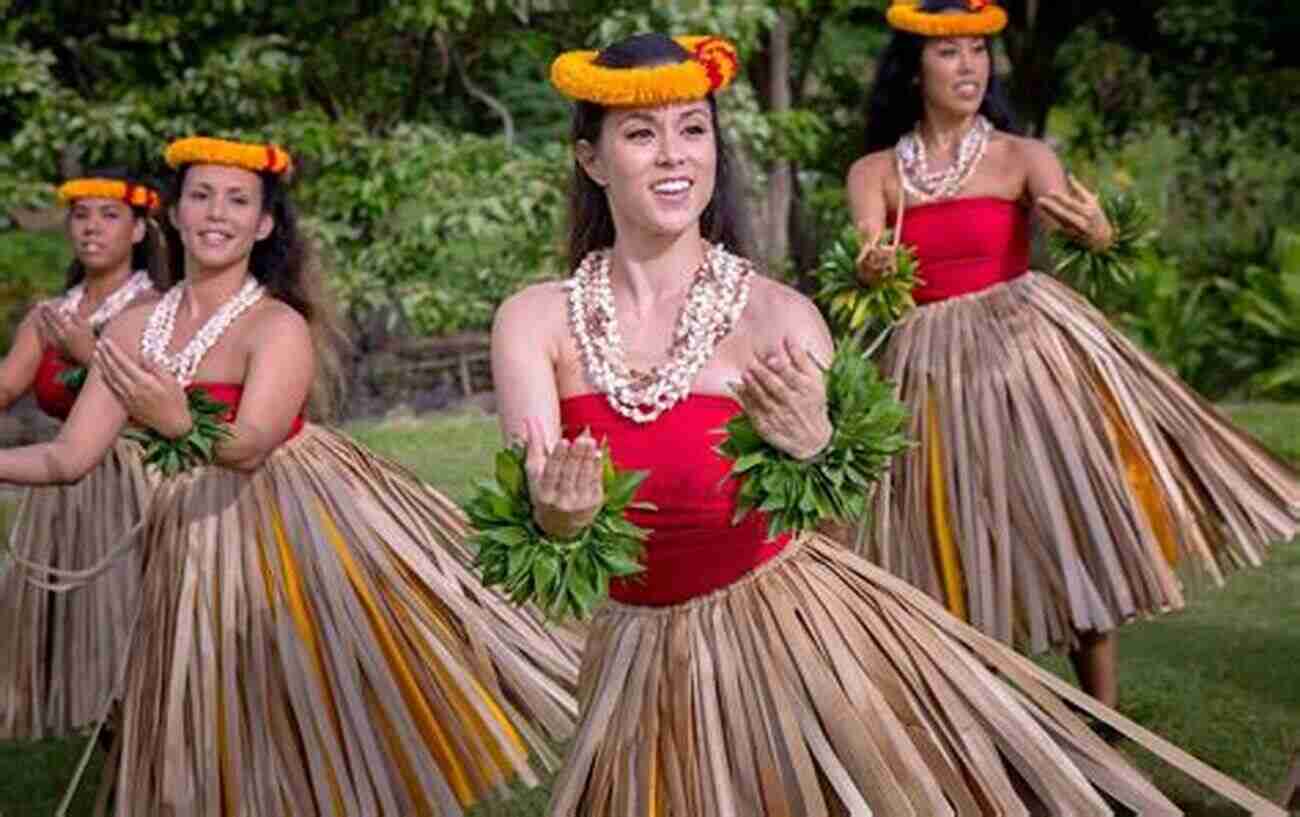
87 435
523 368
865 188
281 367
564 479
18 369
1061 202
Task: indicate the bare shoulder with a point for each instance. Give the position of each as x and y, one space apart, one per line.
536 307
275 319
871 169
776 309
1027 149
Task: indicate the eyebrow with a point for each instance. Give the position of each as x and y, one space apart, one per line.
210 187
698 110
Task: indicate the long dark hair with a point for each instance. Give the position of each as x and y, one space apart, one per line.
149 254
591 224
285 264
895 104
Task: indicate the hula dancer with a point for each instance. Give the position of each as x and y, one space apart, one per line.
1061 473
61 649
745 670
310 639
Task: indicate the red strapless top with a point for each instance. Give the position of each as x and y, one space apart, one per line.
230 394
693 548
53 397
966 245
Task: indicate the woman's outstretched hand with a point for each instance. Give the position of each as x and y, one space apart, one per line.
564 481
784 394
1078 213
874 260
150 395
69 333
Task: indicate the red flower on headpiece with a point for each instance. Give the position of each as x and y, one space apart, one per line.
978 5
719 60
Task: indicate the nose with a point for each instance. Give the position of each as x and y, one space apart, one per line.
216 208
670 153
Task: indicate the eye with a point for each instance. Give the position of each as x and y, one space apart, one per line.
696 130
639 134
197 195
242 201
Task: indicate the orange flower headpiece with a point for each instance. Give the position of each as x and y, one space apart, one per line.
712 66
133 194
981 18
201 150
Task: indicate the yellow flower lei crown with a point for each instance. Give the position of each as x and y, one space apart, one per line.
202 150
714 63
134 195
982 18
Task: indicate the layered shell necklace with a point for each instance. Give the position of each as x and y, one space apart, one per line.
717 297
926 185
135 286
162 323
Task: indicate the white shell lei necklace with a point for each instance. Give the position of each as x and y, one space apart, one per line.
120 299
714 303
162 323
914 167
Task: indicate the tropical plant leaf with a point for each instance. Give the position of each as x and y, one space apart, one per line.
868 423
196 448
1091 271
562 578
852 307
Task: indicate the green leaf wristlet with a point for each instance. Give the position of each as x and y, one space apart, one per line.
561 577
851 306
1089 270
868 423
196 448
74 377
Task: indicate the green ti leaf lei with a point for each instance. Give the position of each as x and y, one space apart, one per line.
835 484
853 307
1091 271
196 448
74 377
562 578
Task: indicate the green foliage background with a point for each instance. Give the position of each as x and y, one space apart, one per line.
434 160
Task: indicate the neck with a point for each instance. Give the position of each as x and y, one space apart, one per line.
207 290
101 284
942 130
651 269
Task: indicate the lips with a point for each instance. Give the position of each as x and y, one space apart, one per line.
90 247
213 238
967 88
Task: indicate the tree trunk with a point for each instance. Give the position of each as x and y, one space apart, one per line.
780 184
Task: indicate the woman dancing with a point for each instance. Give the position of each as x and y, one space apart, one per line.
310 639
62 648
740 674
1061 473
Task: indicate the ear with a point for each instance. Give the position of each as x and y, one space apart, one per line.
171 217
589 158
265 225
137 232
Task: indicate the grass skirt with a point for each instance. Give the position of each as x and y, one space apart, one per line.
61 649
311 642
1061 473
820 685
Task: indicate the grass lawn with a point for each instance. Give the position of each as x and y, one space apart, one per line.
1221 678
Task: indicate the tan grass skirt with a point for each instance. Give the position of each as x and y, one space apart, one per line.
59 650
820 685
311 642
1061 472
